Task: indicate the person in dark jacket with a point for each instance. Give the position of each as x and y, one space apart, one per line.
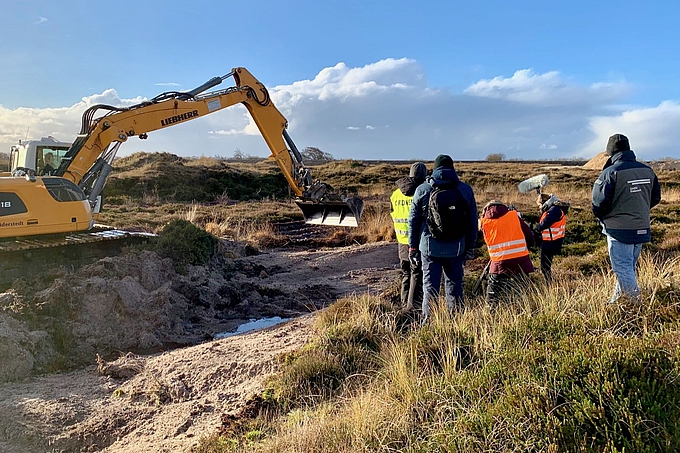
411 273
48 158
508 239
439 256
622 197
551 230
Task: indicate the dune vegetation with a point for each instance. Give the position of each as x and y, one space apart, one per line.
555 369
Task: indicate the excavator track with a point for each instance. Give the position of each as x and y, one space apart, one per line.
27 257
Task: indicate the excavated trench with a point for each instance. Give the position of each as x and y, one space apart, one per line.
137 302
79 362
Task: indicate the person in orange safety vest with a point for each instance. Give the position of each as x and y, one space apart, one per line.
508 239
551 228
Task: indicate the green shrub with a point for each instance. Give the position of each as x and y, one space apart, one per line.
307 379
186 244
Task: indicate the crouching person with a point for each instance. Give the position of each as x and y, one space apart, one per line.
508 239
442 233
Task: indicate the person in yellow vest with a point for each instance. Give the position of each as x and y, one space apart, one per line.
400 202
508 239
551 229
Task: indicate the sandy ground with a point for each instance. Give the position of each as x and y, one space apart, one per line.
166 402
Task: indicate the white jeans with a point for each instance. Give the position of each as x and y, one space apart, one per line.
624 258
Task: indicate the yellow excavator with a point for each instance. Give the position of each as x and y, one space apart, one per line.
55 187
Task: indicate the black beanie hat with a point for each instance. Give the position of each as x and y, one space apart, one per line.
616 144
443 160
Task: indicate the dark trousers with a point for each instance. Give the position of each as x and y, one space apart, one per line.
546 263
411 286
452 268
504 286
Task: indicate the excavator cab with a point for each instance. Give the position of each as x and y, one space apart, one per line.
42 156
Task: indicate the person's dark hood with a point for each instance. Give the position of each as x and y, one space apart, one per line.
443 175
622 155
408 185
495 211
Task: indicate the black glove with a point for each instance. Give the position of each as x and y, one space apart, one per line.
469 255
414 257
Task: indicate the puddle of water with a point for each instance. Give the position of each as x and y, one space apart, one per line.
253 324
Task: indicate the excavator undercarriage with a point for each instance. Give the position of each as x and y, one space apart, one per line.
28 257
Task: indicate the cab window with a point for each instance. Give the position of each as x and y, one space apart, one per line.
63 189
48 159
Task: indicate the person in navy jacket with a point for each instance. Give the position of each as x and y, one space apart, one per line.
439 256
622 197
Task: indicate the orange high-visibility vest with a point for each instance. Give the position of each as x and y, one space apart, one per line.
557 230
504 237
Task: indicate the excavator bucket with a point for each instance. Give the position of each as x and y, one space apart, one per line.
340 213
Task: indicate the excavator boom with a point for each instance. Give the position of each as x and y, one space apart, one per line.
75 186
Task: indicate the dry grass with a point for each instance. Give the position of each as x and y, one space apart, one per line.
421 402
226 217
437 385
671 195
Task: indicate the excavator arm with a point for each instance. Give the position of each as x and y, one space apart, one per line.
88 162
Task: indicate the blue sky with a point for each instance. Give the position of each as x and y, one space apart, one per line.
358 79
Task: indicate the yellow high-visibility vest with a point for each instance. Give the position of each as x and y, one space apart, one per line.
504 237
401 206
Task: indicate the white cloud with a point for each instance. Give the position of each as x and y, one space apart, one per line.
548 89
168 84
653 131
529 115
60 122
41 20
341 82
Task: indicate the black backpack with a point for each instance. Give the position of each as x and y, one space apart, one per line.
448 215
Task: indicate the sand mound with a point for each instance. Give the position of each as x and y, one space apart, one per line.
597 162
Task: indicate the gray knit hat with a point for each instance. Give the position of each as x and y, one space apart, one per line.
418 171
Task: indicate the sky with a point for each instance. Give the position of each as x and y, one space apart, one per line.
361 79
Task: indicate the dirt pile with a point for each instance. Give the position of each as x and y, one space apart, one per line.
136 302
132 302
164 403
597 162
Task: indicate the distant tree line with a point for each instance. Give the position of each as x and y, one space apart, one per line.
495 157
309 154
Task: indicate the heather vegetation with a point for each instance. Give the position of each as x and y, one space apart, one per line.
556 369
